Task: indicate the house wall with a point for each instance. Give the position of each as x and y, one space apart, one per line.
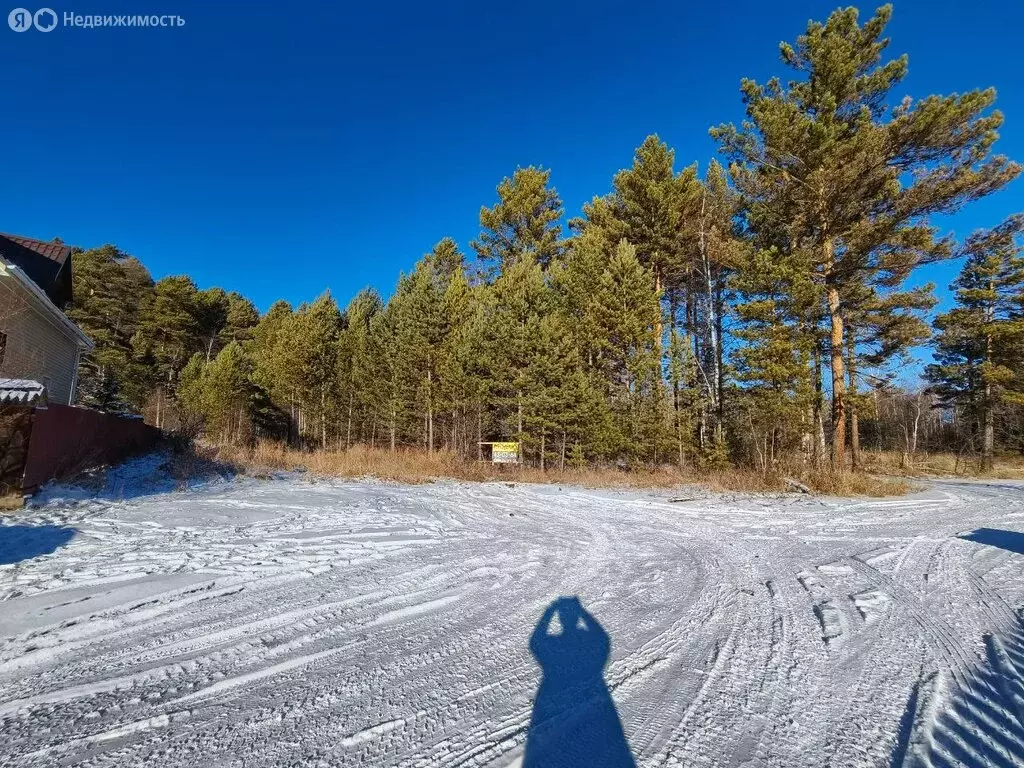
37 348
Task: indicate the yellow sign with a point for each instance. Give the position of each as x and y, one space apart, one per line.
505 453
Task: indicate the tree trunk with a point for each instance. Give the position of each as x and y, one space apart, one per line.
719 362
323 417
854 439
430 409
479 431
988 422
838 383
674 346
817 420
712 322
917 422
394 427
694 336
543 433
348 427
519 397
756 442
659 328
854 426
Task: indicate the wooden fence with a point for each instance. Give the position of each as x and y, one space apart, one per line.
63 439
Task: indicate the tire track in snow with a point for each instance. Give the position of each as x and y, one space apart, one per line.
707 661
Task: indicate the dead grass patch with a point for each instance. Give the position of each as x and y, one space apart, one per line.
11 502
858 484
418 466
946 464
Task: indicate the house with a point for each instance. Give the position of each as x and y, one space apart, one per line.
38 342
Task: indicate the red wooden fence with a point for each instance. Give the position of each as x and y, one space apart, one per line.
66 439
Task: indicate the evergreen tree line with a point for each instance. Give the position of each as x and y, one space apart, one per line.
755 313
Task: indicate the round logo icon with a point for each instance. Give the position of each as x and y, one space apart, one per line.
45 19
20 20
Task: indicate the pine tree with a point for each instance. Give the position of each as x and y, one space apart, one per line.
388 394
354 361
523 225
648 207
614 313
269 373
424 325
218 397
192 395
825 165
211 315
576 282
447 260
682 231
228 395
652 203
168 334
110 288
307 350
718 249
774 387
517 301
589 423
881 329
551 385
980 345
463 388
241 319
627 312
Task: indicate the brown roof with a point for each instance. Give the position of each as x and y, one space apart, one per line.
57 252
43 262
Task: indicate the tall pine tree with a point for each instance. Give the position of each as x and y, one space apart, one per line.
829 166
980 345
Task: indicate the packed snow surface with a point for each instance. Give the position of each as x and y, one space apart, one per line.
289 622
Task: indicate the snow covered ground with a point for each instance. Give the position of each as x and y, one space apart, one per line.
295 623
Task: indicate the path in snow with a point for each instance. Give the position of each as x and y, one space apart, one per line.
289 623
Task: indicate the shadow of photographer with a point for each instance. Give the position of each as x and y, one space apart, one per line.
574 720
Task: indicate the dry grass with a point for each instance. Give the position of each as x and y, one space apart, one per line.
924 464
11 502
858 484
417 466
822 481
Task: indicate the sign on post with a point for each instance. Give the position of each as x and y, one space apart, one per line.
504 453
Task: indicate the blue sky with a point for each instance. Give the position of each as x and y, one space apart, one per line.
280 149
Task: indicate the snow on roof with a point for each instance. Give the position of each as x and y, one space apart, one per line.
21 392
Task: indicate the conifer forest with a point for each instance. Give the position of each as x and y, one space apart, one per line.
759 310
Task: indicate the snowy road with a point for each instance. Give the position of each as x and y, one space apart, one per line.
289 623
